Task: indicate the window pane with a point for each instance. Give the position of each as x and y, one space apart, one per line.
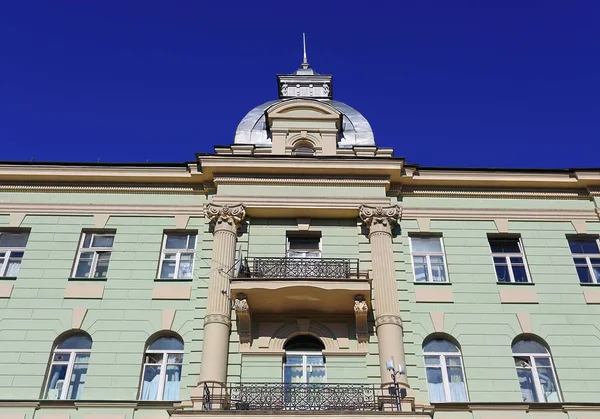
542 362
432 360
76 342
172 382
440 345
453 361
150 382
527 385
439 273
176 241
316 374
103 241
87 240
304 243
175 358
548 382
154 358
520 273
588 246
528 347
435 385
56 379
597 273
426 244
85 265
192 241
166 343
502 273
13 267
293 359
436 260
458 390
292 374
505 245
185 265
315 360
421 273
13 239
516 261
77 381
62 357
102 265
167 269
500 260
584 274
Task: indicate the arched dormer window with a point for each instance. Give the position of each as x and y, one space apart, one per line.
304 361
444 370
68 367
303 149
161 373
535 370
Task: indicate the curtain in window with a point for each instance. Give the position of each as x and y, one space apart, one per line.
173 382
77 380
150 383
435 384
56 380
527 386
13 267
458 390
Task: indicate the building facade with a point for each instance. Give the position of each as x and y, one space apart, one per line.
301 270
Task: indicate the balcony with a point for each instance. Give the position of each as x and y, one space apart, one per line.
301 285
297 397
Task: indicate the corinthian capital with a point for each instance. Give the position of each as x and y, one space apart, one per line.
226 216
380 216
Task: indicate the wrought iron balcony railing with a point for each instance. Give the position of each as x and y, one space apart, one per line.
272 397
286 267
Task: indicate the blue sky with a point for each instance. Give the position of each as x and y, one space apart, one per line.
446 83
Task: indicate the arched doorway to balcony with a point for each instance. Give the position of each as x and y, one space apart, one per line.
304 361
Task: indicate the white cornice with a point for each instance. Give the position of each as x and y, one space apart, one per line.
490 193
502 213
91 209
103 189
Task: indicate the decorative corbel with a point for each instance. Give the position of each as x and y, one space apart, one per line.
244 322
361 309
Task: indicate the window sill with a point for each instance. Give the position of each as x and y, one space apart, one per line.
173 280
432 283
8 278
515 283
88 279
590 284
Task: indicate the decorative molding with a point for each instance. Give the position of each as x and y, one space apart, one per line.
424 225
103 189
167 318
580 226
217 318
501 225
490 214
16 218
172 292
95 209
301 181
433 295
474 192
244 321
388 319
100 220
303 324
437 319
518 296
226 215
524 320
361 309
181 221
77 317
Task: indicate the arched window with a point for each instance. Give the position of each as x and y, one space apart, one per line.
161 376
68 367
304 361
445 373
535 370
303 149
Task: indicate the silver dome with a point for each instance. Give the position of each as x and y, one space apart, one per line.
356 130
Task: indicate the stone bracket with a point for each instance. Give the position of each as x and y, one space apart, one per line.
244 321
361 310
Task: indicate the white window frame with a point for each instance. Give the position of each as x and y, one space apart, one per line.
587 257
9 251
96 250
507 257
70 365
163 370
427 256
294 253
177 252
443 366
536 377
304 355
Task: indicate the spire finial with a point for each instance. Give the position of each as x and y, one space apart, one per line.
305 60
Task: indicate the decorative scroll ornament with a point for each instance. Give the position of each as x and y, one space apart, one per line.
244 322
385 216
224 214
361 310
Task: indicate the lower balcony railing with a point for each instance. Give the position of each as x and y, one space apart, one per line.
296 268
272 397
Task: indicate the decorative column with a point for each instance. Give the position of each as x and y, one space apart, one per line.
388 325
217 322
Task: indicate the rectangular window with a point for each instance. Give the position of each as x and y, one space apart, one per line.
177 259
94 254
509 259
429 262
303 245
12 249
586 255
